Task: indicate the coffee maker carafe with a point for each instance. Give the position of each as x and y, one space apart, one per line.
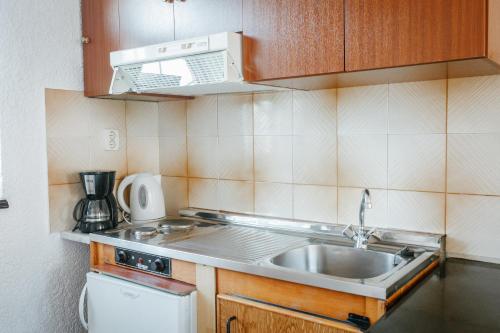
98 211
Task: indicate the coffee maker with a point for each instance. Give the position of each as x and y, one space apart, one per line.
98 210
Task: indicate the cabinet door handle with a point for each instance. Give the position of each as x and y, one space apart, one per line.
228 323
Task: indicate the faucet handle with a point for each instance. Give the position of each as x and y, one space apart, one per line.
349 232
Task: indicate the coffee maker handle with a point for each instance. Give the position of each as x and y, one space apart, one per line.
77 211
121 189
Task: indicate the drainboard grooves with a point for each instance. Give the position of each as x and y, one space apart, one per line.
238 243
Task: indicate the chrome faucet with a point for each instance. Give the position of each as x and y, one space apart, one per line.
361 236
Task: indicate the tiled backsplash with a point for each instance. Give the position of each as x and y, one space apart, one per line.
429 151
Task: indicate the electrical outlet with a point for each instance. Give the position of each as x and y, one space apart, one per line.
111 139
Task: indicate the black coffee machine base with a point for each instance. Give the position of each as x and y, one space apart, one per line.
87 227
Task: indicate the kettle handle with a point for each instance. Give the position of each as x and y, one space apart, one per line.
121 189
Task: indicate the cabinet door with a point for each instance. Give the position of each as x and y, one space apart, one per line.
194 18
390 33
238 315
145 22
285 38
100 28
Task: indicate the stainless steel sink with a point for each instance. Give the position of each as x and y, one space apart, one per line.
340 261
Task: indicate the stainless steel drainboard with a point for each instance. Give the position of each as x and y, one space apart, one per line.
241 244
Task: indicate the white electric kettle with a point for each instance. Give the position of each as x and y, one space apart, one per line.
146 198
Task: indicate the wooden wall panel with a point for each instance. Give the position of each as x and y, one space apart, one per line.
390 33
494 30
100 24
285 38
194 18
145 22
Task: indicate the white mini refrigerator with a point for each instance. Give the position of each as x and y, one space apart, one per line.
116 305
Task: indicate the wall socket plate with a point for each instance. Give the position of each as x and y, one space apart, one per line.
111 139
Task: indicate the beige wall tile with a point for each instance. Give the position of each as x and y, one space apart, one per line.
472 227
142 119
102 159
417 211
315 160
474 163
417 162
202 157
417 107
172 118
202 116
107 114
173 156
349 200
67 113
363 161
315 203
175 191
273 158
235 157
315 112
66 158
203 193
273 113
62 200
143 155
362 110
236 196
235 115
274 199
474 105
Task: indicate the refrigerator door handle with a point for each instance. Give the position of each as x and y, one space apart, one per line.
81 309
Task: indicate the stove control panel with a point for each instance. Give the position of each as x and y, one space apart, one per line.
143 261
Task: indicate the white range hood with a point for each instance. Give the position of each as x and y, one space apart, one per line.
198 66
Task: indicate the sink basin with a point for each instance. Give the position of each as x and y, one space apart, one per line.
340 261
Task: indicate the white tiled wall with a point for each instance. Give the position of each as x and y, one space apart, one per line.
429 151
307 155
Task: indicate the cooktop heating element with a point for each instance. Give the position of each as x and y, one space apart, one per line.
143 232
176 225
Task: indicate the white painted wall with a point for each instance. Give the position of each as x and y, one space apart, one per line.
40 275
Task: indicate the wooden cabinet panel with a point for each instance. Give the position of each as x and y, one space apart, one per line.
145 22
244 316
390 33
285 38
101 26
195 18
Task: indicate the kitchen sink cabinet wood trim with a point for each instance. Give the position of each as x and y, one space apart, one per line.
329 303
285 38
242 315
392 33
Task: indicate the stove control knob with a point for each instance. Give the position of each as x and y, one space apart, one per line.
158 265
122 256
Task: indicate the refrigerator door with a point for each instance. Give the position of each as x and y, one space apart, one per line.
116 305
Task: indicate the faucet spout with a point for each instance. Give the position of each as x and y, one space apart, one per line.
361 236
366 203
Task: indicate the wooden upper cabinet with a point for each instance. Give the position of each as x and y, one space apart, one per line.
284 38
195 18
390 33
100 30
145 22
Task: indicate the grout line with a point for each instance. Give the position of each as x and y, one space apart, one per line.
446 158
337 153
253 153
293 164
387 156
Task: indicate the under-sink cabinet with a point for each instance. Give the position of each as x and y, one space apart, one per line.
238 315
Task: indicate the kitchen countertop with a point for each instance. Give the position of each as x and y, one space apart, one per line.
231 241
462 296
